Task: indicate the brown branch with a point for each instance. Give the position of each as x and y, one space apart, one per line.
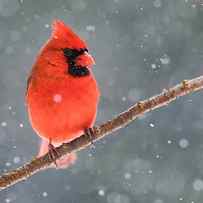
120 121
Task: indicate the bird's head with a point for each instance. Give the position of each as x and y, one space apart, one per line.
74 48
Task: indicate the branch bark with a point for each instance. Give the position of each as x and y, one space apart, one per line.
120 121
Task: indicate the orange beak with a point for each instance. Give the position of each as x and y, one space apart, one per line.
85 60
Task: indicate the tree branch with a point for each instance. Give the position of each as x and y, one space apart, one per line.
120 121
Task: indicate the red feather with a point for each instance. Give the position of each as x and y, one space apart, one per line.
61 106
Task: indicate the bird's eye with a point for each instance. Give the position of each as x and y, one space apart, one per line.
73 53
83 50
70 53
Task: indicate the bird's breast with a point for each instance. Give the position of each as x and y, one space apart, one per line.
62 104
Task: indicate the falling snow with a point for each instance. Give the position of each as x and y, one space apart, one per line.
16 159
165 59
198 185
151 125
183 143
3 124
57 98
7 200
8 164
90 28
157 3
140 47
101 192
46 25
127 176
153 66
138 170
44 194
21 125
123 98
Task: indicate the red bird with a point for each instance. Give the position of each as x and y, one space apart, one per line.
62 93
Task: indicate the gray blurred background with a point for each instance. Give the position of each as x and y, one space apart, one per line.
140 48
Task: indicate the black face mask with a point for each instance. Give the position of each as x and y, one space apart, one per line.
71 55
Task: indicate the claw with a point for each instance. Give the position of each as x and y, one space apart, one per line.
90 133
62 163
53 154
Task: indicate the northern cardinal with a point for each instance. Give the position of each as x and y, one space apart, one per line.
62 93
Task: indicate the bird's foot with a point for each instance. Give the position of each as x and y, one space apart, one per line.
62 163
53 154
90 134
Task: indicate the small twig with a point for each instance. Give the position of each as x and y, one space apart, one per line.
120 121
